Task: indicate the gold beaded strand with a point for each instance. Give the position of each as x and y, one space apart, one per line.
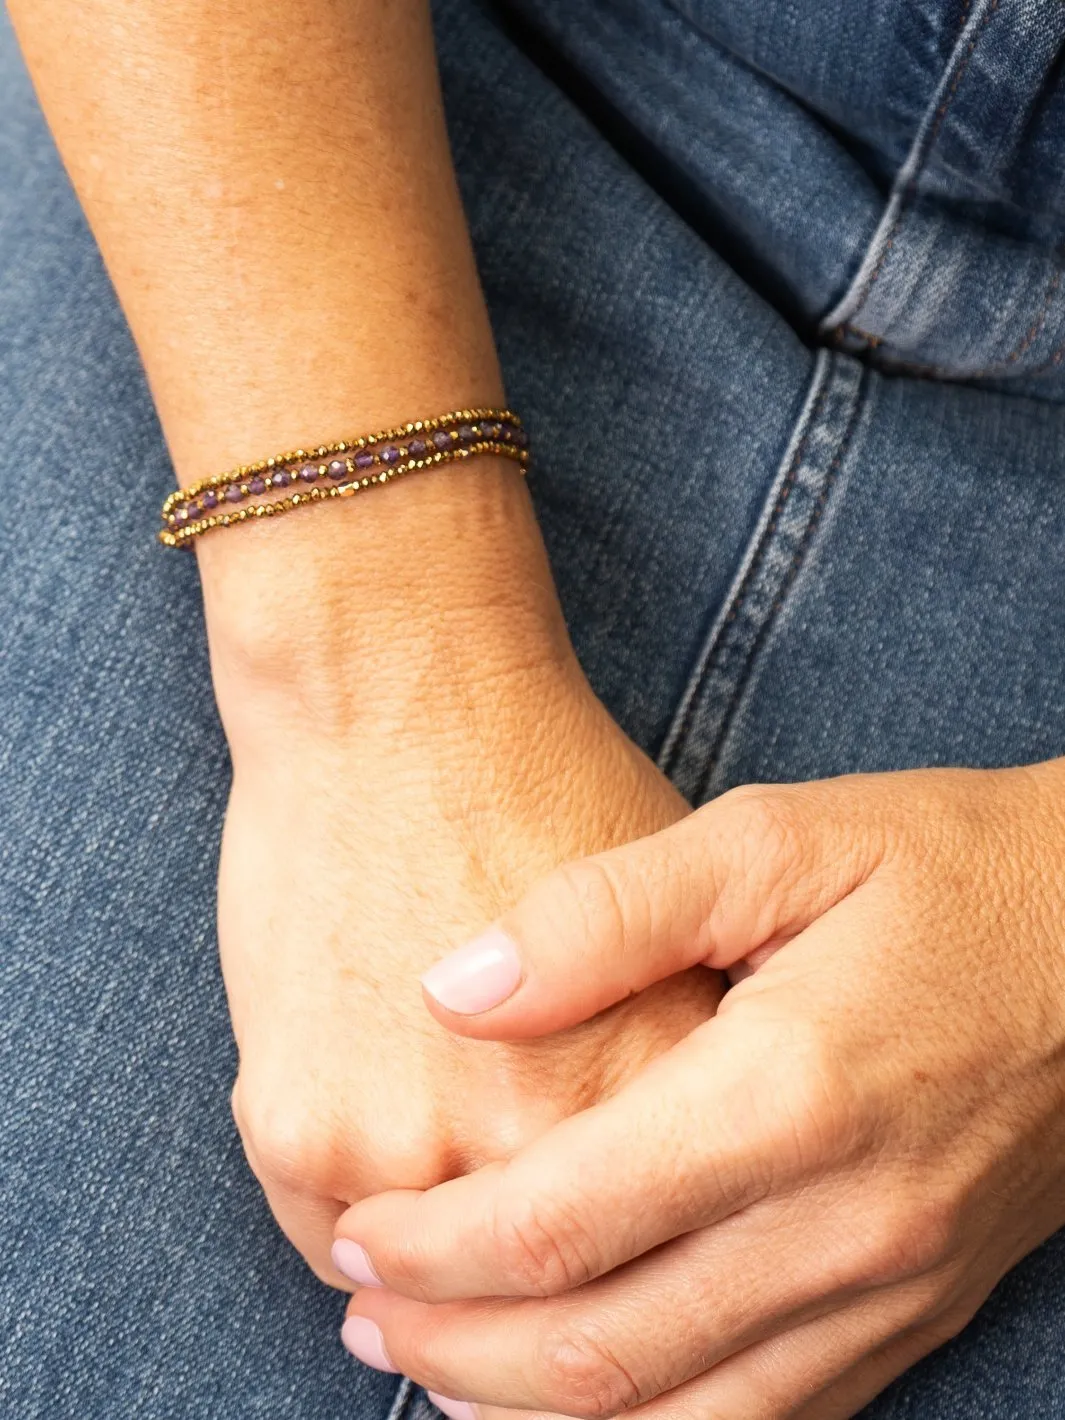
323 459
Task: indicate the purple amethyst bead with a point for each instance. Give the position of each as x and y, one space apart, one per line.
282 478
442 439
390 454
466 434
210 499
257 485
364 459
233 494
417 448
194 513
309 473
183 513
338 469
491 430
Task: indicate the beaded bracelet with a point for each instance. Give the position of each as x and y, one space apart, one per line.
338 470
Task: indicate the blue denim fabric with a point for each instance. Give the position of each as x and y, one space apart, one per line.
887 173
806 560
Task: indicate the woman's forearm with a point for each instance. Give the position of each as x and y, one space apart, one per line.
272 190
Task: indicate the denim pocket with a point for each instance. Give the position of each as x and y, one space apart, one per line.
964 276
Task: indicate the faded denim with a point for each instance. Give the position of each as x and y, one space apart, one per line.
806 256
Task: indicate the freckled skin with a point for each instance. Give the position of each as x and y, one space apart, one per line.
814 1189
413 741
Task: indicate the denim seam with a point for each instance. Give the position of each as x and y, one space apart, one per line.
1053 359
775 555
403 1397
841 319
1037 327
986 372
679 732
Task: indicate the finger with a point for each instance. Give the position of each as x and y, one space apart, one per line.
758 1100
779 1382
865 1381
753 1102
754 867
772 1383
825 1369
307 1219
635 1334
580 1200
466 1410
309 1223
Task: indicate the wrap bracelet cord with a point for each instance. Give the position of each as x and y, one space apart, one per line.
338 470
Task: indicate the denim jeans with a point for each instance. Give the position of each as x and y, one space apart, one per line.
805 256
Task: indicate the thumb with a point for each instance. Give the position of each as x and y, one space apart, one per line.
754 867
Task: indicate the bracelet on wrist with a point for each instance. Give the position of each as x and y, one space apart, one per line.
338 470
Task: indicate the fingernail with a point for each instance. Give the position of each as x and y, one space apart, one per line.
454 1409
366 1344
354 1262
480 975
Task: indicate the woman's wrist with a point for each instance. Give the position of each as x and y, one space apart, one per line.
396 612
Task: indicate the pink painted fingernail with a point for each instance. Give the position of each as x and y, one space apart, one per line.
454 1409
354 1262
365 1342
480 975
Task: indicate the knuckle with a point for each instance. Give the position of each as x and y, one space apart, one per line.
499 1139
763 822
946 1325
236 1106
408 1268
290 1150
818 1116
908 1238
541 1252
942 1306
594 888
583 1377
406 1152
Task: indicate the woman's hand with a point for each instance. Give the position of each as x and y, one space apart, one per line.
405 766
812 1190
412 740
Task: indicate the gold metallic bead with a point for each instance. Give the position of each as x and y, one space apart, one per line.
243 473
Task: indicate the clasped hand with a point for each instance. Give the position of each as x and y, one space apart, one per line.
810 1191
